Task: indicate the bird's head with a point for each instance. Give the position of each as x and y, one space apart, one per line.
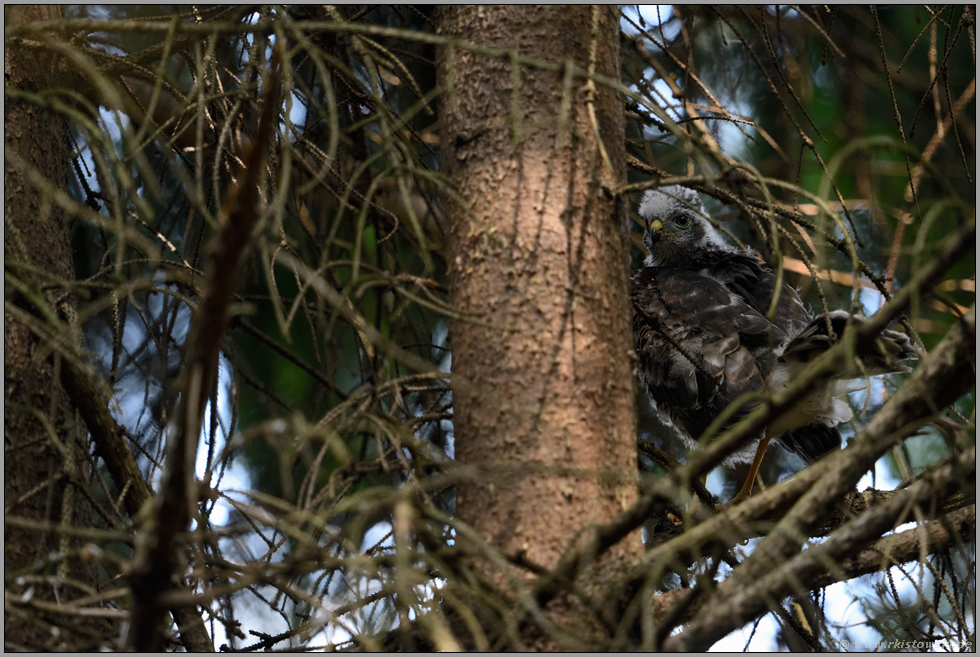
676 228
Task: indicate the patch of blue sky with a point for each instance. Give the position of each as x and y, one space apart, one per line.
252 613
255 612
753 637
660 93
735 139
822 77
845 599
378 537
882 479
655 18
447 427
787 11
871 301
842 608
297 110
715 483
234 476
101 40
115 123
440 352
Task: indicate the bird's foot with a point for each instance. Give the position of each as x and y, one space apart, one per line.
740 497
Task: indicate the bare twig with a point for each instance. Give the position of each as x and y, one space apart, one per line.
158 549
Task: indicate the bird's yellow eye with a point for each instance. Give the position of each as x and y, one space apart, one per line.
682 221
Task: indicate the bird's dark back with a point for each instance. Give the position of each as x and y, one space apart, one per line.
746 275
702 336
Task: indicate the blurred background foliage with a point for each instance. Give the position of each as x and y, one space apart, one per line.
333 392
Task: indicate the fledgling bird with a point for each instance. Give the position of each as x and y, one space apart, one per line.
703 339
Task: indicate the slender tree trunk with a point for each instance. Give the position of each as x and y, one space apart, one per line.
543 391
44 454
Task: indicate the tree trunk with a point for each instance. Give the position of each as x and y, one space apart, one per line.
44 454
543 403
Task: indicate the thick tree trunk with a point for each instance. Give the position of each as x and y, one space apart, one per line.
543 392
44 453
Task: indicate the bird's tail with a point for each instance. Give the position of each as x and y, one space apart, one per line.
812 441
882 356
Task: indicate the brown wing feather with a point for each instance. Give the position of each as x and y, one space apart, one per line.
700 347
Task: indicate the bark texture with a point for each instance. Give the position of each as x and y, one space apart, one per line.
544 410
45 470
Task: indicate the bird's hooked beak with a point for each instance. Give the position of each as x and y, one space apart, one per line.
655 227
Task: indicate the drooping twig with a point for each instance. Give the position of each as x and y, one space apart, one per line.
158 549
110 442
736 603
